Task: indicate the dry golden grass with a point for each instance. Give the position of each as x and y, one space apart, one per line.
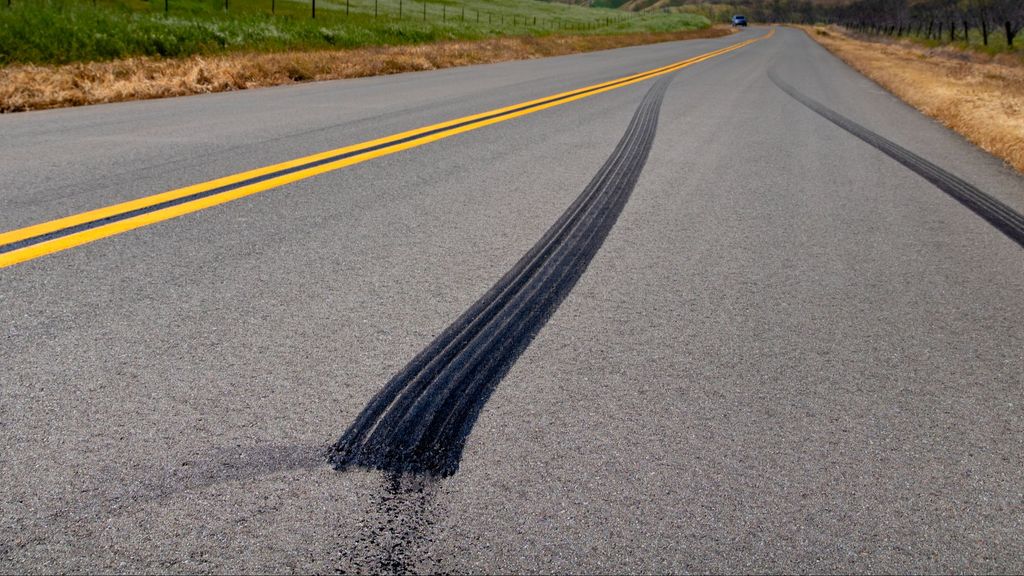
979 96
27 87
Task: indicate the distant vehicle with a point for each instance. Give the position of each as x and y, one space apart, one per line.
739 20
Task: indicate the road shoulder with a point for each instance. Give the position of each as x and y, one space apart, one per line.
979 98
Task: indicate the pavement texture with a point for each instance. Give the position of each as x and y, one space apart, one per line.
790 354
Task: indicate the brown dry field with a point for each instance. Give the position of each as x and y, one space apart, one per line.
979 96
28 87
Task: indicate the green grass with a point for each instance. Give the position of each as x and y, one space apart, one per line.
64 31
996 42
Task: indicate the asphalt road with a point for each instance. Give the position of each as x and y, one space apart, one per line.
791 353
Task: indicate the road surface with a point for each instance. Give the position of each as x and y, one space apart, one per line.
781 349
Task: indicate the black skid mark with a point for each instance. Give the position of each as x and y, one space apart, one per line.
393 534
420 421
999 215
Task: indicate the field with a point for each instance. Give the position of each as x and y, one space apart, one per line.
68 31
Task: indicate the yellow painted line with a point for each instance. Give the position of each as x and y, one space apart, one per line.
76 239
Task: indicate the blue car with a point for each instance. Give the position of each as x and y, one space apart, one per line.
739 20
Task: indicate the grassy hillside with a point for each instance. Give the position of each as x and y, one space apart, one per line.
64 31
713 11
717 10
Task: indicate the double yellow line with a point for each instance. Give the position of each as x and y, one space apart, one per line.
63 233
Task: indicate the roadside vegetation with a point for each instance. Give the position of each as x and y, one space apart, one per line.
67 31
981 96
989 26
33 87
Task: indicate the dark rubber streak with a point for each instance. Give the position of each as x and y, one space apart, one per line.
419 422
285 171
1004 218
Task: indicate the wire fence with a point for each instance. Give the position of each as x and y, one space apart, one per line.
428 11
423 11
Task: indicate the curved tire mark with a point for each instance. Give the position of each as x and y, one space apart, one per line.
1005 219
419 422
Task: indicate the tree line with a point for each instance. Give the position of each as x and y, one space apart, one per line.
936 19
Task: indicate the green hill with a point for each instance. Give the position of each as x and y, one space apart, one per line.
62 31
